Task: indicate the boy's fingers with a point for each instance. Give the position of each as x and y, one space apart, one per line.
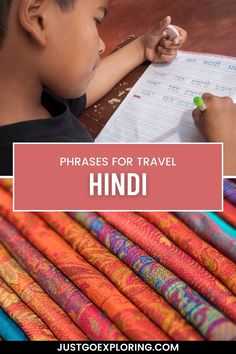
197 116
164 58
166 51
208 96
177 42
167 43
183 35
164 35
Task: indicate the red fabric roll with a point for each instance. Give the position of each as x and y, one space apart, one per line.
229 213
205 254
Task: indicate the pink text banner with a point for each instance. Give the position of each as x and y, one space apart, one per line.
127 177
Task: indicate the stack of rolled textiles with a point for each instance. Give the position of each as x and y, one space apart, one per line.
117 276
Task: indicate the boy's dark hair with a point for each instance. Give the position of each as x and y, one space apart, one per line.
5 6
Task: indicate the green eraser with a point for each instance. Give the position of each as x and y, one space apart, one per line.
198 101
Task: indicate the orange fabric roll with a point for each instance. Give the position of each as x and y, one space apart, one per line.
37 300
26 319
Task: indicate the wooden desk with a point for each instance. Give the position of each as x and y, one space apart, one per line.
198 18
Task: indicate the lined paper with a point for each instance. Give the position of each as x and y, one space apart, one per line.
159 107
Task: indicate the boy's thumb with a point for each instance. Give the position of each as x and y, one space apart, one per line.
164 23
162 26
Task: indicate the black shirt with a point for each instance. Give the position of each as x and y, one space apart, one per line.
63 126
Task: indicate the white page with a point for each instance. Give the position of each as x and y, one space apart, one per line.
159 107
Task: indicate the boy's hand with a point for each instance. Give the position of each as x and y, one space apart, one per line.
157 47
218 124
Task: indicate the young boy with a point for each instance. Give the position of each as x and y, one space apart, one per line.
50 49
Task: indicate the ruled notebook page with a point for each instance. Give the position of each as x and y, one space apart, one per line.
159 107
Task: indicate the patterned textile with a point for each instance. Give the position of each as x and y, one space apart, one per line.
128 318
230 190
160 248
229 213
125 279
209 231
206 255
6 183
211 323
35 297
32 325
222 224
9 329
82 279
94 324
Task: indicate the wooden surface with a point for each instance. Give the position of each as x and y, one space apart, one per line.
211 26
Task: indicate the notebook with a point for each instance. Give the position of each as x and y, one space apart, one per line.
159 107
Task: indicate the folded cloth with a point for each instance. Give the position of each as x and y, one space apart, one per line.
210 231
136 290
210 322
92 321
230 190
170 256
206 255
26 319
9 330
37 299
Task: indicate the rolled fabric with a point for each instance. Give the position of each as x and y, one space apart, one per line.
36 299
83 312
230 191
31 324
7 183
128 318
137 291
164 251
222 224
9 330
206 255
210 322
229 213
209 231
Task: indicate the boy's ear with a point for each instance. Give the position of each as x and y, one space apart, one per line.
33 18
